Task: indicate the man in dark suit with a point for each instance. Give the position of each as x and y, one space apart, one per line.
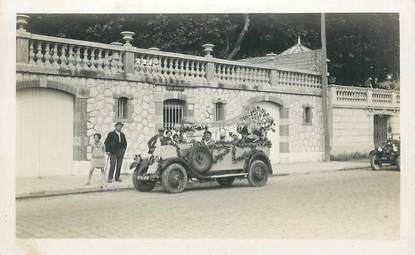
115 146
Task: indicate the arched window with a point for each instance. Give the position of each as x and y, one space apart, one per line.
219 111
122 108
173 112
307 115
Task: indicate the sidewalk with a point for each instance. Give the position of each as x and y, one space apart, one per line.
62 185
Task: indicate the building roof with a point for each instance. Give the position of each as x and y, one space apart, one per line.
298 48
295 49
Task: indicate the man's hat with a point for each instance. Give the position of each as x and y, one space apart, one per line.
161 129
118 123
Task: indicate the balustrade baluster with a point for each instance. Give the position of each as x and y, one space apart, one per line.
188 69
262 76
63 55
120 62
192 70
141 64
31 54
197 70
39 54
99 60
158 67
176 68
218 72
165 68
71 58
78 58
225 73
170 67
55 56
92 60
107 61
249 75
47 55
84 58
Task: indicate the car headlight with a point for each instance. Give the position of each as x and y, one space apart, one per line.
379 149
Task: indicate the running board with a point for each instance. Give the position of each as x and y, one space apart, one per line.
227 175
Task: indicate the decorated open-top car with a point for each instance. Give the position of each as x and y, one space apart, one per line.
194 156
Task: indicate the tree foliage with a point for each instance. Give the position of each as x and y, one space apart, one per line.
359 45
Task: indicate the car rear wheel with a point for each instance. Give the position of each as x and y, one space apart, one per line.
226 181
200 159
258 173
142 185
174 178
376 162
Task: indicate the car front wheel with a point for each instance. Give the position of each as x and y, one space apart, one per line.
174 178
142 185
258 173
375 162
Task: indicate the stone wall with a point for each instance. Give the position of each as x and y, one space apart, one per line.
353 129
301 139
300 142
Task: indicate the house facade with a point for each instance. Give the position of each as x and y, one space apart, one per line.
67 90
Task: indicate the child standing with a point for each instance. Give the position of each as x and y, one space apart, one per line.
98 158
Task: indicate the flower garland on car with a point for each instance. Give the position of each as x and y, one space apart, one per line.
220 146
256 121
191 127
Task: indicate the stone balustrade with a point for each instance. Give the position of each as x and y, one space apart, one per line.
166 66
231 72
122 61
363 97
74 54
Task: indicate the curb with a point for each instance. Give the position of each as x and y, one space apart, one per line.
130 186
70 192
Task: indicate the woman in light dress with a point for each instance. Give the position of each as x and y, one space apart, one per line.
98 158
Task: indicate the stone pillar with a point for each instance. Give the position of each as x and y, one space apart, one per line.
22 40
394 98
369 96
210 66
129 55
80 137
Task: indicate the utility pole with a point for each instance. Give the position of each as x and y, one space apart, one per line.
324 87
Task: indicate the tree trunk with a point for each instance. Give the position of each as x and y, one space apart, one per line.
237 46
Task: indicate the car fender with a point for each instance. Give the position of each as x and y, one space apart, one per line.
373 152
261 156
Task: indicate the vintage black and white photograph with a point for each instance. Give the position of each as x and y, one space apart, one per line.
204 125
241 125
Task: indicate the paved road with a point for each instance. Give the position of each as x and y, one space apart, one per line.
358 204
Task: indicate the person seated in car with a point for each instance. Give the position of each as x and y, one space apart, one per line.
168 137
207 138
176 139
222 136
234 137
244 132
156 141
177 130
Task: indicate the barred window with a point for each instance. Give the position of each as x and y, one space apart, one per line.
122 109
173 112
219 111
